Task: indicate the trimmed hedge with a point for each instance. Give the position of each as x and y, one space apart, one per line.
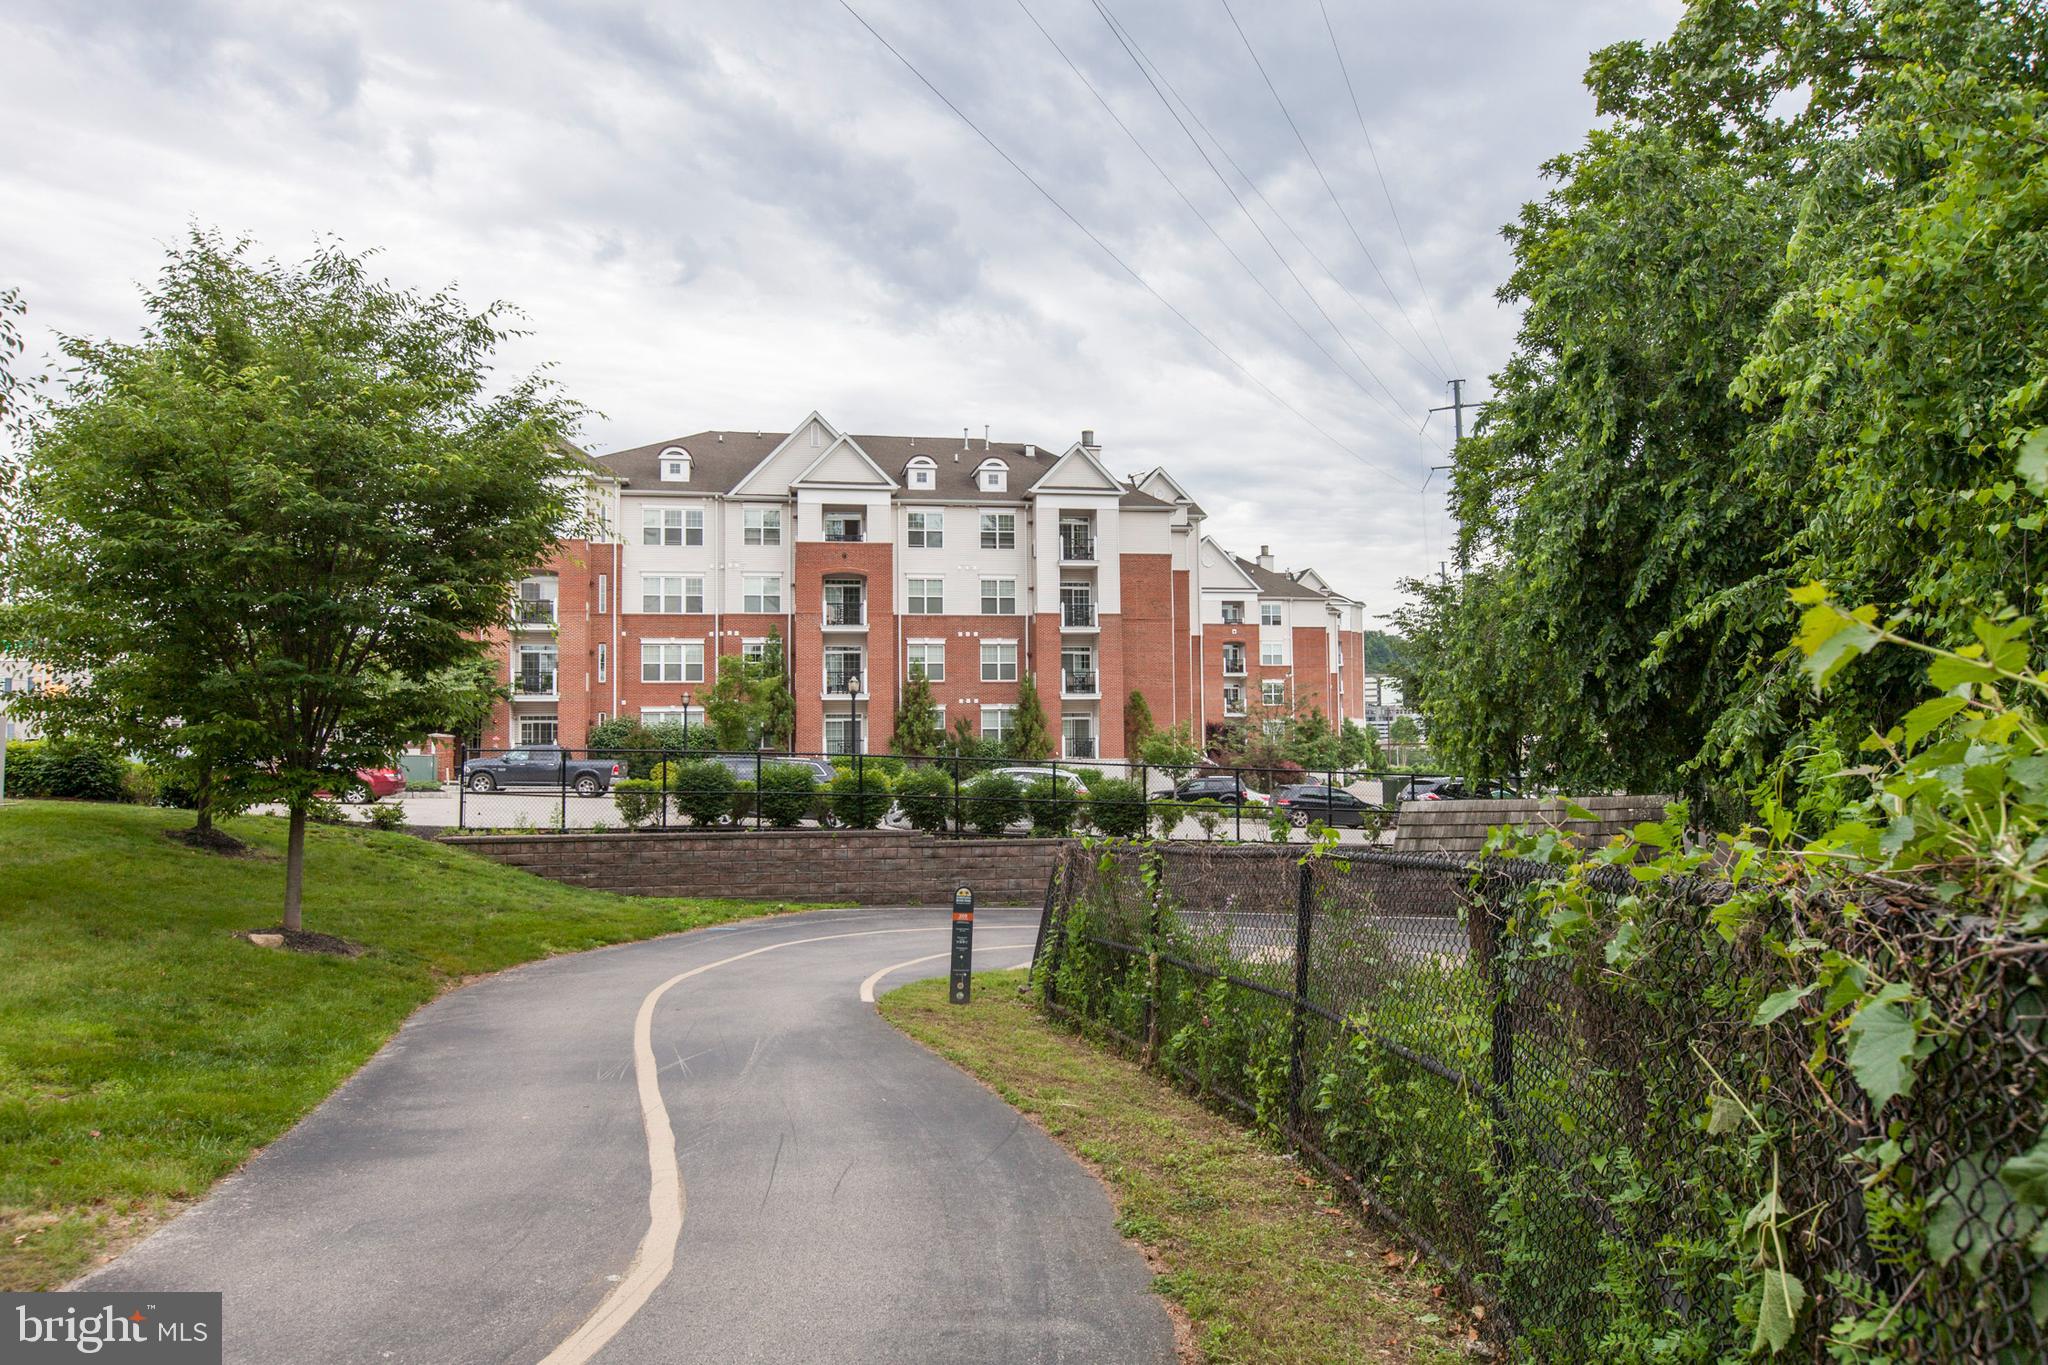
65 771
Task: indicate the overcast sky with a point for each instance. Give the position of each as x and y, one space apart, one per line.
727 214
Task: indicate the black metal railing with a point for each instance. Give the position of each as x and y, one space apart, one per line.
1075 548
1078 613
851 536
1533 1118
1079 684
534 613
846 613
530 683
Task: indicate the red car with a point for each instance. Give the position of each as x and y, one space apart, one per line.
373 784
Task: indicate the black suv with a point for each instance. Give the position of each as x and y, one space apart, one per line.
1310 802
1227 788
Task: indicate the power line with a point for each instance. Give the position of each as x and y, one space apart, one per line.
1151 69
1137 142
1068 214
1328 188
1392 212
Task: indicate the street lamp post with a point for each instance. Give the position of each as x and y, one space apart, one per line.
686 719
852 689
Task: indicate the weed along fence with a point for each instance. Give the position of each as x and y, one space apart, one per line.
1617 1161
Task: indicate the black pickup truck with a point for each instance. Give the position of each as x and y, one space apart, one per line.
540 765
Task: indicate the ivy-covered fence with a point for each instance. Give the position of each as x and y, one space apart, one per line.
1618 1139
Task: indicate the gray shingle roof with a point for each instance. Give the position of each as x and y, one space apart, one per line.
1275 584
719 460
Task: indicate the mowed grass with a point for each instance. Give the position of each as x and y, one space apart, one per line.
1267 1262
145 1052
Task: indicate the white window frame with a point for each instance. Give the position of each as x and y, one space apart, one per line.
1269 613
554 667
912 652
998 530
993 477
998 595
860 668
602 659
693 526
554 727
1272 692
761 593
693 716
761 525
924 596
1233 613
1272 654
926 531
848 744
754 651
687 661
1005 714
658 523
921 472
604 587
1239 671
995 667
1228 708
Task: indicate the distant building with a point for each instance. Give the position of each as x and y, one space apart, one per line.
18 677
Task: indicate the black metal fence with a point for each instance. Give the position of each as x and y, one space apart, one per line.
544 788
1545 1127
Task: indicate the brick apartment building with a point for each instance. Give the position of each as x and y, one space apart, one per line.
977 562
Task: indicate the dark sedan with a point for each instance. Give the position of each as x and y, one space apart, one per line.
1311 803
1225 788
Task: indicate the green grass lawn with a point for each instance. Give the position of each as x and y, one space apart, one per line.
1266 1262
145 1052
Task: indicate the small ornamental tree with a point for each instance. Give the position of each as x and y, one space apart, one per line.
273 523
1029 737
1137 721
917 731
774 703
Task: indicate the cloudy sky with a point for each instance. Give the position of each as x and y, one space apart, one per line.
728 213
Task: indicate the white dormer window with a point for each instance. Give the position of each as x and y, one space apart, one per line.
675 465
922 473
994 476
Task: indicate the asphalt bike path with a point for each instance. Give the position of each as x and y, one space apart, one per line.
706 1147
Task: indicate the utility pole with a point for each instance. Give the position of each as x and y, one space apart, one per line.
1456 407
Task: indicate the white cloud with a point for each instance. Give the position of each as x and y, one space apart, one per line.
730 214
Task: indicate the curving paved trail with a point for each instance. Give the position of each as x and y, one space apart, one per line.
490 1187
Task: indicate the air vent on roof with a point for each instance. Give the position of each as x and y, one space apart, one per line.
721 438
1030 452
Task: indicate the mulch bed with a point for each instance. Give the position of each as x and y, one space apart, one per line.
306 941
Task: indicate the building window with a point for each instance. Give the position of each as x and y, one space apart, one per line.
998 530
1271 655
754 651
927 530
1269 613
536 671
604 587
537 730
1233 658
536 605
762 592
675 465
672 715
998 597
672 594
925 597
842 734
927 657
672 661
602 660
1077 604
995 476
999 661
1233 613
761 525
921 473
1273 692
997 722
1077 671
843 526
1077 736
1233 699
672 526
693 526
845 602
841 663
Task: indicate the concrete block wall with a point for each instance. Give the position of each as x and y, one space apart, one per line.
1461 826
867 867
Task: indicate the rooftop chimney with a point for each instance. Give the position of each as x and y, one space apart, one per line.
1030 451
984 436
1266 557
965 444
1088 440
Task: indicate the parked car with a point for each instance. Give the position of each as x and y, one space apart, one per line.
1458 789
745 766
541 765
372 784
1226 788
1023 774
1306 803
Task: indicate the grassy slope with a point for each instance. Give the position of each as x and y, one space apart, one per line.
1266 1262
145 1053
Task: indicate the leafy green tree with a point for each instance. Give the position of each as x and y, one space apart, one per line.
775 704
926 796
1173 752
1029 736
1404 732
303 496
917 731
994 801
1138 723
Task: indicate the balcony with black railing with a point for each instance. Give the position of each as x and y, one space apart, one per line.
534 613
1078 615
1076 547
1079 683
846 613
534 682
1080 746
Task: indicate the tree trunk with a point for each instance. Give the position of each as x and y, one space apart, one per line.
202 803
295 864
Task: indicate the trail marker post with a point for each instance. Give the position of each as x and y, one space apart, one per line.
963 946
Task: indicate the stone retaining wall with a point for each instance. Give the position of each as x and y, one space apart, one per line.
1461 826
867 867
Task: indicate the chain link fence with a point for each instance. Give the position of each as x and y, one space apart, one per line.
1543 1124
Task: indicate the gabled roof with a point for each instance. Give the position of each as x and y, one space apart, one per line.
1077 471
844 463
1273 583
1160 484
1216 557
